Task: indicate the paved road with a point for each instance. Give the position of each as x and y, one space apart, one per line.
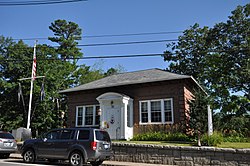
16 159
19 162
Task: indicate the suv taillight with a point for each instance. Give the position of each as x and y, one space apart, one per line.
93 145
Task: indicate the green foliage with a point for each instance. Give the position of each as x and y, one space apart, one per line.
232 124
67 34
60 73
213 140
160 136
218 138
235 138
198 112
218 58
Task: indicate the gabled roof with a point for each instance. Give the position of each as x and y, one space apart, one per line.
137 77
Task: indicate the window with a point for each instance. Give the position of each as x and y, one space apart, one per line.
144 112
53 135
6 135
168 110
102 136
87 115
97 115
83 135
67 134
156 111
79 116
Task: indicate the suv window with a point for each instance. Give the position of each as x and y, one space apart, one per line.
83 135
6 135
53 135
102 136
67 134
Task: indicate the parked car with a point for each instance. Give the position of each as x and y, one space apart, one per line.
7 144
78 145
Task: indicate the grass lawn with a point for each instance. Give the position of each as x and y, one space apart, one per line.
235 145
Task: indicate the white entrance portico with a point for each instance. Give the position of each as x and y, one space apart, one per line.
116 115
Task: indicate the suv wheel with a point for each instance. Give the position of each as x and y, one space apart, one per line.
29 156
75 159
96 163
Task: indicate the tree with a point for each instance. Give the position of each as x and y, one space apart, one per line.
61 71
198 114
16 63
217 57
66 35
12 115
58 75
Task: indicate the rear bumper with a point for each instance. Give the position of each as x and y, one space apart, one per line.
8 150
101 156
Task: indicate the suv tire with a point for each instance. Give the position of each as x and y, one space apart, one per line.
75 159
29 156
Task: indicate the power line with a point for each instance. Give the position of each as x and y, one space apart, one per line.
40 2
90 57
108 56
108 44
111 35
126 43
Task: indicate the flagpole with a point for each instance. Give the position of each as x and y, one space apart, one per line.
33 76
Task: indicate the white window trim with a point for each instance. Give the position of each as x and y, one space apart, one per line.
83 116
162 112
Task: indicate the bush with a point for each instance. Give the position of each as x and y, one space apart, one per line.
160 136
213 140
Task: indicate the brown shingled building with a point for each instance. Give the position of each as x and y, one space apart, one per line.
128 103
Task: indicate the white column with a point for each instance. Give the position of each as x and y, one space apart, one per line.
210 121
124 117
102 114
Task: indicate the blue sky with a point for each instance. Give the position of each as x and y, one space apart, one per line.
103 17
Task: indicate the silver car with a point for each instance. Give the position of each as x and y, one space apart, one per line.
7 144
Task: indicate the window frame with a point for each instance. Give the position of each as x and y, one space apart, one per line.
163 121
83 116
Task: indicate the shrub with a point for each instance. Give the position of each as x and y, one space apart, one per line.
160 136
212 140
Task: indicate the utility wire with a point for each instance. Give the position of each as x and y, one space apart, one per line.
109 56
125 43
41 2
90 57
112 35
107 44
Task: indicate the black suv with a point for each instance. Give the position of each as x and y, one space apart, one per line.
78 145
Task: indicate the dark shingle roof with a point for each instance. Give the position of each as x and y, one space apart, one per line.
137 77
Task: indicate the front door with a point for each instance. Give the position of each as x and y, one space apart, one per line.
116 115
113 117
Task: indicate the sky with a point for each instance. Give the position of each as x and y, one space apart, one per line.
116 17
